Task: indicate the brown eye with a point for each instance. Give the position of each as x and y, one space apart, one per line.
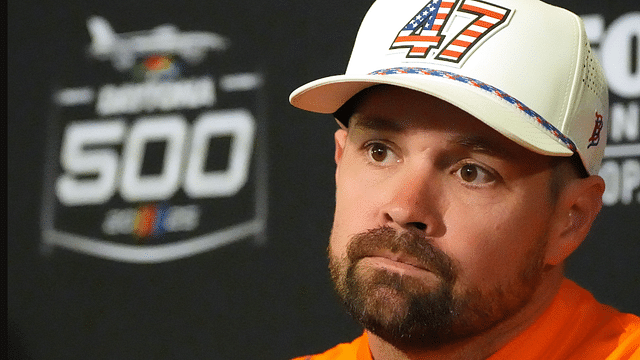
469 172
378 152
475 175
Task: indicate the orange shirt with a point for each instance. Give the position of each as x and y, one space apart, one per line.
574 327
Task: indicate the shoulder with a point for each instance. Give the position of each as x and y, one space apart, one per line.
597 330
576 326
358 349
625 329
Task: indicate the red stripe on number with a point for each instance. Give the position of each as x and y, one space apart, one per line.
479 10
460 43
484 24
451 53
417 38
471 33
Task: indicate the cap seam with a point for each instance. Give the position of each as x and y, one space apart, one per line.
571 89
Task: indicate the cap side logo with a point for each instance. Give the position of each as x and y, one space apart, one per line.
425 34
594 140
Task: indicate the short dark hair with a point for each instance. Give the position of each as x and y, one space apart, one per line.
343 114
564 169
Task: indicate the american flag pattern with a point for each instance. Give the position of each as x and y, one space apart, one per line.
423 31
487 88
488 17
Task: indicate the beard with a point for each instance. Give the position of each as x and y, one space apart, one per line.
411 313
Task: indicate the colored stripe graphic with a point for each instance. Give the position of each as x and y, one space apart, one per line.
422 32
145 221
488 17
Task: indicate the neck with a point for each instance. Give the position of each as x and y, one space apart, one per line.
483 345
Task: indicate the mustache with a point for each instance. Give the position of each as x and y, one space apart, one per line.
410 242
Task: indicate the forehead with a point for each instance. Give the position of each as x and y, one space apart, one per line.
401 109
398 110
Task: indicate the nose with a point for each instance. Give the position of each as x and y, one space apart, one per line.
414 200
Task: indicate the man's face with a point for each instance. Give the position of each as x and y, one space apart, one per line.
440 223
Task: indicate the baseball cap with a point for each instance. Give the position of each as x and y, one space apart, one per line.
523 67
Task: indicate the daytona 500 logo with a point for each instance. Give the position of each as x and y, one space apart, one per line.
154 160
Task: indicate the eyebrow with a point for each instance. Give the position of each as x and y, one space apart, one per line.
472 142
481 144
378 124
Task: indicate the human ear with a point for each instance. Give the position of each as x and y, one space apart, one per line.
341 139
576 209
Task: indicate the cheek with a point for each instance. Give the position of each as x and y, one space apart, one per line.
493 246
356 201
347 220
356 208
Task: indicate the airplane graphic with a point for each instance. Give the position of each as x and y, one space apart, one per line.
124 49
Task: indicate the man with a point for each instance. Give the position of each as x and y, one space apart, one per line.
471 134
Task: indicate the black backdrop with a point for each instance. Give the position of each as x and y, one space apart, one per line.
247 299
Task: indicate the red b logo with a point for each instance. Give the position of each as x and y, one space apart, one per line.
595 136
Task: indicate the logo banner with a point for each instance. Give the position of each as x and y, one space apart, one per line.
160 153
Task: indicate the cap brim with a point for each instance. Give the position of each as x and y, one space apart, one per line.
503 113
